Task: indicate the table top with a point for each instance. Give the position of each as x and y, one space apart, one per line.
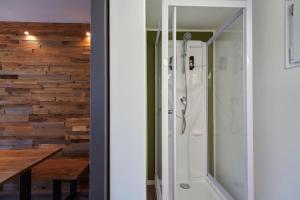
16 162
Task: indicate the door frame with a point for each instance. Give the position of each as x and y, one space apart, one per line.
99 103
247 6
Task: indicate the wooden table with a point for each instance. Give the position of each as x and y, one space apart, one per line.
19 163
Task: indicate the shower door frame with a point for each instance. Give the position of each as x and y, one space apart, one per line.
164 27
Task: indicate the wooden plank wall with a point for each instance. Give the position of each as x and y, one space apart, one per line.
44 86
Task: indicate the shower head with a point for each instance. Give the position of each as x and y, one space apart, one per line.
187 36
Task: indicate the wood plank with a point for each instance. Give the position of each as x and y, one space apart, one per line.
70 122
25 109
16 127
3 92
78 137
13 118
80 128
15 144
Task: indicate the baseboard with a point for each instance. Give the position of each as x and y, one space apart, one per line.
150 182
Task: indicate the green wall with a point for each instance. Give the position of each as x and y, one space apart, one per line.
151 36
151 104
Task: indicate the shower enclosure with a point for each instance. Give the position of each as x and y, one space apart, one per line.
192 164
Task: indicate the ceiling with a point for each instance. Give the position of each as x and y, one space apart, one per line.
64 11
191 17
78 11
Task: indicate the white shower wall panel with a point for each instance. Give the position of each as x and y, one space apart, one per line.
192 143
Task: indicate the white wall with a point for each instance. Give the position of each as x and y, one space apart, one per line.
75 11
127 100
276 108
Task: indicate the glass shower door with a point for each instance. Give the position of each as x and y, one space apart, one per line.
232 113
172 69
166 109
230 110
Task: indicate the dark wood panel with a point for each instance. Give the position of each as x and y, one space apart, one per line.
45 86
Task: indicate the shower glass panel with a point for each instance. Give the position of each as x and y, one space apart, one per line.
189 165
230 115
172 109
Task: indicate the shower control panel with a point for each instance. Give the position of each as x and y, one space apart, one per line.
192 62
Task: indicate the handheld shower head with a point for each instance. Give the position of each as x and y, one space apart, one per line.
187 36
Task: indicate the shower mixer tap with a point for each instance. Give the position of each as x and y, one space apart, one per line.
183 100
171 63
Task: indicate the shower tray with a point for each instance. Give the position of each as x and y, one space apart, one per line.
198 190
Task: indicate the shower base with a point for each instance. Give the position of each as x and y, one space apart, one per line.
200 190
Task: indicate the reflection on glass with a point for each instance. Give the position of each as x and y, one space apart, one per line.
230 134
170 108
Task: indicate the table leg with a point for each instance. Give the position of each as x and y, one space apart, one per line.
25 185
57 190
73 190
